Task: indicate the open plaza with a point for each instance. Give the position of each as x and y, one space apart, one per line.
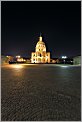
36 92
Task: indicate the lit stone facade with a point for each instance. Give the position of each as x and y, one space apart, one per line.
40 55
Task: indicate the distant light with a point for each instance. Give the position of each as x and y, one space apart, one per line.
64 57
18 56
24 60
19 59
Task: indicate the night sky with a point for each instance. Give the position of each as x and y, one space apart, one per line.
59 23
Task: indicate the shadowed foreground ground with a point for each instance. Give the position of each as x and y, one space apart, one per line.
40 92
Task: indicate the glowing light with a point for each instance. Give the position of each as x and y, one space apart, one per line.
18 66
64 57
20 59
24 60
18 56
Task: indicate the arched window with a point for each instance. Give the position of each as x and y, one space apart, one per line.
40 55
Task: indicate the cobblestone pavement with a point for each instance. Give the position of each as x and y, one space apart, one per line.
41 92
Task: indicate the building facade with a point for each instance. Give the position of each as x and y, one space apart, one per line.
40 55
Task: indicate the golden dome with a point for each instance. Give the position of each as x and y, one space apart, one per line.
40 46
40 41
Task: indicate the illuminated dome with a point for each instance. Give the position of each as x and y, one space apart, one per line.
40 46
40 42
40 55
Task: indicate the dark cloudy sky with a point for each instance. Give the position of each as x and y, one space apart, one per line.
59 23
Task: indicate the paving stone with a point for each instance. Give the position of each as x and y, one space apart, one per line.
41 93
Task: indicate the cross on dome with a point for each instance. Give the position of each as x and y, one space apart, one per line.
40 34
